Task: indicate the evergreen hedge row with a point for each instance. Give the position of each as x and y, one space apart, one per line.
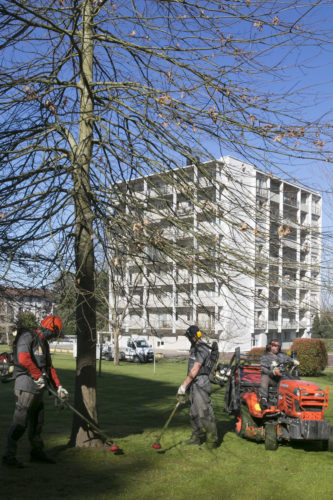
312 355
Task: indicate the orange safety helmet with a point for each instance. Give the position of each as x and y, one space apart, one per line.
53 323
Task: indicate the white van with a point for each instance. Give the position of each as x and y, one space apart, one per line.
139 351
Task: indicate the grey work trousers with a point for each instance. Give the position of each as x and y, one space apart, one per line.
202 417
29 411
265 382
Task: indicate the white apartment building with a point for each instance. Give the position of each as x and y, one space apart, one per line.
264 265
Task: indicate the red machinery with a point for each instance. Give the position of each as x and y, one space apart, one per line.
295 408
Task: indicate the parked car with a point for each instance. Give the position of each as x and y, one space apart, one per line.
139 351
107 352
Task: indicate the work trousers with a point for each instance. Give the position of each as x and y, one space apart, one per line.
202 417
29 411
265 382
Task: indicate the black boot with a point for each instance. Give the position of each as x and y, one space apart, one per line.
194 440
39 456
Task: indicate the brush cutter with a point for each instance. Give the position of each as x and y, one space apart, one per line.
157 444
64 403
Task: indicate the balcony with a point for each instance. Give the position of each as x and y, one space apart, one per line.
160 302
315 210
290 200
290 243
204 183
181 302
185 211
207 325
160 280
289 323
275 197
158 191
260 325
273 325
184 278
207 301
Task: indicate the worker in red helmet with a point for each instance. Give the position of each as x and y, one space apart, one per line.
33 371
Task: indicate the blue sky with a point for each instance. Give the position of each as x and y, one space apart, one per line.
308 66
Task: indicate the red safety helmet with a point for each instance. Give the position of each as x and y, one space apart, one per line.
52 323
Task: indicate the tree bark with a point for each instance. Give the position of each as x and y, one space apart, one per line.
85 381
116 332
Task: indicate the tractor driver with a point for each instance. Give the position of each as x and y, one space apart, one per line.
197 382
270 370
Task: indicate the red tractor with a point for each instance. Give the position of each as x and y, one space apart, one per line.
295 409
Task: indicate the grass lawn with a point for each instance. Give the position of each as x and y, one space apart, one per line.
134 404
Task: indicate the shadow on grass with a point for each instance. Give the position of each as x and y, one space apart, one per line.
131 409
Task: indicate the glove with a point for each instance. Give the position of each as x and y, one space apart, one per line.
276 372
273 365
181 391
62 393
41 382
181 394
296 362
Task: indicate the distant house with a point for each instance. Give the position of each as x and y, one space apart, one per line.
15 300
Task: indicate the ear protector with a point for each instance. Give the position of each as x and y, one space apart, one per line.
193 332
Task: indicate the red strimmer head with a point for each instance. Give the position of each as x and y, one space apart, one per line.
114 448
157 446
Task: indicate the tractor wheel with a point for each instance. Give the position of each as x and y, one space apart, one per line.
271 441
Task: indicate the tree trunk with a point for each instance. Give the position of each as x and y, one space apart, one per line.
116 332
85 381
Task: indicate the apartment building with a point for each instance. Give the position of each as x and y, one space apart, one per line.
15 300
259 277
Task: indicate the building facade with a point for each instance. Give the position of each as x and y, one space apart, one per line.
15 300
264 264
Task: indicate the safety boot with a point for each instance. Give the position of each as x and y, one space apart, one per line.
211 445
195 440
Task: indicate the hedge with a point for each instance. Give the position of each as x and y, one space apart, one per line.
312 355
256 351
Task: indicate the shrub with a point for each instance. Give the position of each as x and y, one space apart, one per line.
312 355
256 351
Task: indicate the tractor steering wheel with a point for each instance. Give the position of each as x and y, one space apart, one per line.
292 369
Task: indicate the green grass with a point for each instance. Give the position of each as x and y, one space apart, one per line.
134 403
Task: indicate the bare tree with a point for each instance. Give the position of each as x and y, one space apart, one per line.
95 94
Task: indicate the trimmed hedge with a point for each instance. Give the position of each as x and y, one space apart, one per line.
256 351
312 355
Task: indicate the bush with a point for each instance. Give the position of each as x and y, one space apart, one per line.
256 351
312 355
